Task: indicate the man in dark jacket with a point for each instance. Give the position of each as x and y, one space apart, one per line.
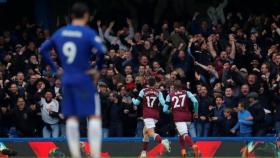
218 117
23 117
228 123
245 90
229 100
258 114
104 94
205 101
116 116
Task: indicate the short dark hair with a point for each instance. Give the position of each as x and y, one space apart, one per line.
151 81
219 96
79 9
229 87
177 84
241 104
228 110
21 97
48 91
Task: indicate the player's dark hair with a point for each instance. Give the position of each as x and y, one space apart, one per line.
79 9
177 84
151 81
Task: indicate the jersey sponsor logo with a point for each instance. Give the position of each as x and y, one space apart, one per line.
70 33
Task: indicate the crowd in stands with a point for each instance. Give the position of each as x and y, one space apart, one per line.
229 61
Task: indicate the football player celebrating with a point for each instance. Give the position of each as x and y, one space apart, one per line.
180 106
150 98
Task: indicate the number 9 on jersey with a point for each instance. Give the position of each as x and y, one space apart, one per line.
69 49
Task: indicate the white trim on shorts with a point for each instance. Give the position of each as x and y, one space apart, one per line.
150 123
182 127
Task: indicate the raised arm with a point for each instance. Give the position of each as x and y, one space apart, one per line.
100 32
44 50
107 33
211 13
224 4
211 47
276 28
96 43
233 48
130 29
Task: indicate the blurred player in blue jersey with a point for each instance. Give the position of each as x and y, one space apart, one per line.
74 44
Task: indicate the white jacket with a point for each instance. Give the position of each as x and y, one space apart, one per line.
52 106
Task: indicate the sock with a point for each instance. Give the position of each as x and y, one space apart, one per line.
73 137
188 140
145 143
157 138
182 142
145 146
94 137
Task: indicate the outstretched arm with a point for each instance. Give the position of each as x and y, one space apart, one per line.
236 127
194 100
246 122
161 99
202 66
138 100
167 104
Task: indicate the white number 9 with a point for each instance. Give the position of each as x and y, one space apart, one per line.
69 50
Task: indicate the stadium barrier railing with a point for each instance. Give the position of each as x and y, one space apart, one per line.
209 147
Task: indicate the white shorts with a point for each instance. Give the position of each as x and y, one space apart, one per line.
182 127
150 123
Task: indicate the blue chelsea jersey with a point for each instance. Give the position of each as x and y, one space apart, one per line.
74 46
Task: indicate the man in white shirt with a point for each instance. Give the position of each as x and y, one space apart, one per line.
50 115
123 34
